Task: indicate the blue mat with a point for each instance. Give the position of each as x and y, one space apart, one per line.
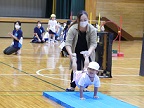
72 100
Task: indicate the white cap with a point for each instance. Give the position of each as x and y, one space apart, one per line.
53 15
94 65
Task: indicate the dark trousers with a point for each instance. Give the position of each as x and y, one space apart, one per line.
35 40
9 50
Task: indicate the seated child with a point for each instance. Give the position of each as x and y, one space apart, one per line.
38 33
86 77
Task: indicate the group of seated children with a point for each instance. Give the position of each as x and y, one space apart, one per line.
40 36
53 32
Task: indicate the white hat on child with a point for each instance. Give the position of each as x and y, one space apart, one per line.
53 15
94 65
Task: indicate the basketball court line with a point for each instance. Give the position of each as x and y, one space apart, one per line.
34 76
14 74
48 76
113 58
19 91
20 94
28 57
38 73
117 58
126 68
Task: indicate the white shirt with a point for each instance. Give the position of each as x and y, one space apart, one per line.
52 24
82 79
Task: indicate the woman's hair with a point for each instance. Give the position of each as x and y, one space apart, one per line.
77 21
67 24
19 23
38 22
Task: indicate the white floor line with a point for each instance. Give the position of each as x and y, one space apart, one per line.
125 68
127 75
122 84
16 74
43 75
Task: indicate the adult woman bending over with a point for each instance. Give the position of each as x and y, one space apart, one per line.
81 39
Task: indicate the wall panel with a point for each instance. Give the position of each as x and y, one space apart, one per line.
132 13
22 8
90 7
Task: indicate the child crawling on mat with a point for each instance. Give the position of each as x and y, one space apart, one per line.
88 76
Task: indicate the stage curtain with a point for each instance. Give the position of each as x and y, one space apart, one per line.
76 6
63 9
49 7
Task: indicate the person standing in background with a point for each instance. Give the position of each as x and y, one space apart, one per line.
17 36
64 52
81 39
69 22
52 28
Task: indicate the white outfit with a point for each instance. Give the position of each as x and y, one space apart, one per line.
82 79
52 24
46 36
101 29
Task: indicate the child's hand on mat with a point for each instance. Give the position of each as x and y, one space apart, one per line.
96 97
82 98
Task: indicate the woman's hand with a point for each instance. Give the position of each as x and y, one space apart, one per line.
10 34
85 53
39 40
73 56
14 37
35 34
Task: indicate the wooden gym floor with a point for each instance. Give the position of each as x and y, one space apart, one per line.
40 68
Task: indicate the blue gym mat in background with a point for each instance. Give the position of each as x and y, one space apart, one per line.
72 100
